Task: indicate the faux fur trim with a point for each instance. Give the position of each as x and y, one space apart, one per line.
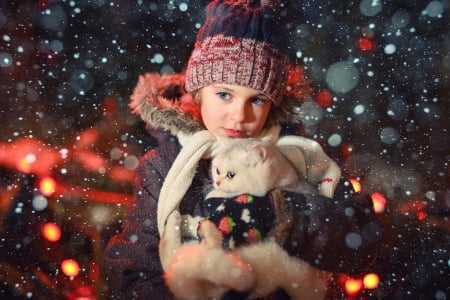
162 102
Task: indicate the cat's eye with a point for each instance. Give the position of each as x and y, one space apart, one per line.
230 174
217 171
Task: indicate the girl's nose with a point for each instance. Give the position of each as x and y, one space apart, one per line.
238 112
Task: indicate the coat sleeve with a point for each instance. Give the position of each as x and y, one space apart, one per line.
132 266
339 235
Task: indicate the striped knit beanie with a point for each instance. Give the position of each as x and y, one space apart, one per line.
240 43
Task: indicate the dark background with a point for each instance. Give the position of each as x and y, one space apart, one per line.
67 69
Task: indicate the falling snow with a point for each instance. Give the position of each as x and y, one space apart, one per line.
69 145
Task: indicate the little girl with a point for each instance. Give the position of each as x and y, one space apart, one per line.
237 84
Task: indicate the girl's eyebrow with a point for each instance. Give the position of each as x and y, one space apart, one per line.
231 90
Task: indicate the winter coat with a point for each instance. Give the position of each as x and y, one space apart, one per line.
338 235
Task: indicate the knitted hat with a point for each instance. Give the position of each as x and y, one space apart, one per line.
240 43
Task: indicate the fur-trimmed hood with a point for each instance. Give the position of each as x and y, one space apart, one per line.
162 102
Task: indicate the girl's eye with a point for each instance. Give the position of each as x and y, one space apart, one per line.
230 174
223 95
259 101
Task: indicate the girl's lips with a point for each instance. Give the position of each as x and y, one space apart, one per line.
234 133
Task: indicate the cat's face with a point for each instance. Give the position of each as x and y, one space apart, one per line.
226 176
238 170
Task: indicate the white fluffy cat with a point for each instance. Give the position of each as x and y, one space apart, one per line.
245 166
253 166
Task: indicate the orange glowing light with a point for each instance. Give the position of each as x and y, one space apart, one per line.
47 186
379 202
23 166
371 281
353 286
356 185
51 232
70 267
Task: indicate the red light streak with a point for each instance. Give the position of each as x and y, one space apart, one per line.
98 196
29 155
90 160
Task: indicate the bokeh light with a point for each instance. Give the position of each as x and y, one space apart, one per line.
353 286
371 281
365 44
47 186
379 202
51 232
324 98
356 184
70 267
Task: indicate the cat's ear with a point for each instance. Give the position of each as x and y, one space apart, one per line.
257 154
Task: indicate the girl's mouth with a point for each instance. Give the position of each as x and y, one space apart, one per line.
234 133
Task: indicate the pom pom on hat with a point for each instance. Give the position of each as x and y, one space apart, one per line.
240 43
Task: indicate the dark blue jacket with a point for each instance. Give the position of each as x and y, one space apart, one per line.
337 234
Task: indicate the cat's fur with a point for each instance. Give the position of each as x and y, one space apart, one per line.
254 167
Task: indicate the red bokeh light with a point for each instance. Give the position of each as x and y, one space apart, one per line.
366 44
51 232
109 105
23 166
44 3
379 202
353 286
371 281
47 186
421 215
356 184
70 267
346 149
324 98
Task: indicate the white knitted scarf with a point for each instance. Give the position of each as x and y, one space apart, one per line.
310 159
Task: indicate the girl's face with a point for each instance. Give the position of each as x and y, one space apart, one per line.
232 110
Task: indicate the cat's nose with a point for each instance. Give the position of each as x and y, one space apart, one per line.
218 183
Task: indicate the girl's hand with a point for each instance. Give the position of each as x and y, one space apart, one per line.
201 270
